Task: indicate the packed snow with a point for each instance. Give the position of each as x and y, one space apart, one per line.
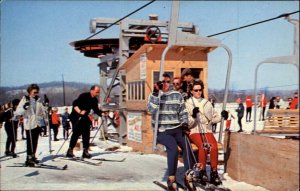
137 172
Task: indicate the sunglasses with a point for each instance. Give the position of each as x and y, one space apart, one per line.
197 90
165 81
176 84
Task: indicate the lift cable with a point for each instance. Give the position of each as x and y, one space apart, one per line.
282 15
121 19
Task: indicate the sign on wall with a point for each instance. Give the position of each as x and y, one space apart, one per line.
134 127
143 66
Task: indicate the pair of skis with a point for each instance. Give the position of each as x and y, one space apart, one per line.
207 187
165 187
212 187
89 161
41 165
81 160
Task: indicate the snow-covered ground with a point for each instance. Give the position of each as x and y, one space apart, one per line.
137 172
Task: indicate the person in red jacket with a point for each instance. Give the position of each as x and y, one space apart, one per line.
55 123
262 104
294 103
249 105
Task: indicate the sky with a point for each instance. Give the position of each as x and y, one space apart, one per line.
35 37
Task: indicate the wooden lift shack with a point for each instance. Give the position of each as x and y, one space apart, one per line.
143 69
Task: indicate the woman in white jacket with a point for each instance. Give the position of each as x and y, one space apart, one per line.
33 112
201 115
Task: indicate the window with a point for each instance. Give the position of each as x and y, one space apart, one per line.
136 90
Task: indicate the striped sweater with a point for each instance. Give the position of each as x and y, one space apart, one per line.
172 111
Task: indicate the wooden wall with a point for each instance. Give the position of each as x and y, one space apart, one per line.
176 58
272 163
147 138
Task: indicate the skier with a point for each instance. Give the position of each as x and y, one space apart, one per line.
172 120
55 123
80 120
33 112
10 125
240 113
228 120
66 123
249 105
201 115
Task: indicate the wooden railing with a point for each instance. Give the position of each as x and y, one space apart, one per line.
281 121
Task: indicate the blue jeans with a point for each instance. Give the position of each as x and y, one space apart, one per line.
171 139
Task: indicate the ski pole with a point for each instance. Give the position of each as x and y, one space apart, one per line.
67 139
49 131
30 135
188 145
97 132
13 126
206 145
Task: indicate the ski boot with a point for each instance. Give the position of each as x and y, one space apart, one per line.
172 185
189 178
35 160
70 153
86 154
14 155
214 178
7 153
201 177
29 161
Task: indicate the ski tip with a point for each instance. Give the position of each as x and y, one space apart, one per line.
65 167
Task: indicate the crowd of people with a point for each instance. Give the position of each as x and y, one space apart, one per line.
39 119
275 102
184 114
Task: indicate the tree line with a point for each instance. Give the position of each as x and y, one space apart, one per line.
54 91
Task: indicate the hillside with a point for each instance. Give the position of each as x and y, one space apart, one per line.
54 91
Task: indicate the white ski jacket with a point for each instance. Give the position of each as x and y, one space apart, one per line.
33 118
207 115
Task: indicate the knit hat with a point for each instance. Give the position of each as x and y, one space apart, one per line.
186 71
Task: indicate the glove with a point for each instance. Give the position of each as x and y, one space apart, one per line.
195 112
157 86
26 105
224 114
185 96
46 100
185 128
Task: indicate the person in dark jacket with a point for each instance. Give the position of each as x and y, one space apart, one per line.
240 113
11 125
80 119
65 118
272 103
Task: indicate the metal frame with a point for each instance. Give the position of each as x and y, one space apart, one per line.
128 28
178 38
293 59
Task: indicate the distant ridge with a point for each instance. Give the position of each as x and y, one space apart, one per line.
54 90
47 85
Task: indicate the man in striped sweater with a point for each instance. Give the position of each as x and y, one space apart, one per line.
173 119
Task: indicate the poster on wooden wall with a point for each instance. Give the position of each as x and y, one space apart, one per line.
134 127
